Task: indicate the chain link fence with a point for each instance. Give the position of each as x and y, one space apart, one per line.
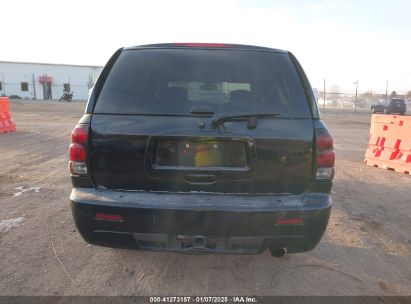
36 91
21 84
359 102
332 99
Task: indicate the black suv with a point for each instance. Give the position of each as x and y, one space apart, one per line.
395 105
202 148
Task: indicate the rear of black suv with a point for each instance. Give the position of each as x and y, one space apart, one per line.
396 105
202 148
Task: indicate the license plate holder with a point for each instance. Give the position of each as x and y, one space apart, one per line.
200 154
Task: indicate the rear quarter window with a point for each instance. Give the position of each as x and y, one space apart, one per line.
172 81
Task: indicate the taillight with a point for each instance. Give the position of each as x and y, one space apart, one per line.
290 221
79 135
325 156
204 45
326 159
78 150
77 153
109 217
324 139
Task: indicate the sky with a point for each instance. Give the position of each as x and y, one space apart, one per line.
340 41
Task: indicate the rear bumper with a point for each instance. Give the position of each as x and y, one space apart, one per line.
397 109
200 223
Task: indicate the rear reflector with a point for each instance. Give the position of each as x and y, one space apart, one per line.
211 45
109 217
290 221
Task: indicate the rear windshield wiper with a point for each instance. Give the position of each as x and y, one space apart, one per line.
252 118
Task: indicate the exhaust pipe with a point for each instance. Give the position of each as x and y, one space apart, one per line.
278 252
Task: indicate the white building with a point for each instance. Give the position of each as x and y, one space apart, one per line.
31 80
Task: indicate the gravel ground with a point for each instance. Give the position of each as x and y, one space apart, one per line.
365 251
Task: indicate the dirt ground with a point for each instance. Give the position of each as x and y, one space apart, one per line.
365 251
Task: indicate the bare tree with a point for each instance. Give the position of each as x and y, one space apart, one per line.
367 94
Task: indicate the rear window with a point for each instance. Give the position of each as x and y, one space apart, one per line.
172 81
398 101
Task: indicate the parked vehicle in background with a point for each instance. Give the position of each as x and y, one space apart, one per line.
13 96
67 96
350 103
361 103
395 105
347 103
332 103
202 148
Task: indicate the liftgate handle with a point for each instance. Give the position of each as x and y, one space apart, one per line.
200 179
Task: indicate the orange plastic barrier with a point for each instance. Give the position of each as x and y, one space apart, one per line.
6 122
390 143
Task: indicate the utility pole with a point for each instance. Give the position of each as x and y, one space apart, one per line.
324 95
386 93
34 87
356 94
4 84
46 92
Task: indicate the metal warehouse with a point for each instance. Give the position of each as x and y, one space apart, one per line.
31 80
